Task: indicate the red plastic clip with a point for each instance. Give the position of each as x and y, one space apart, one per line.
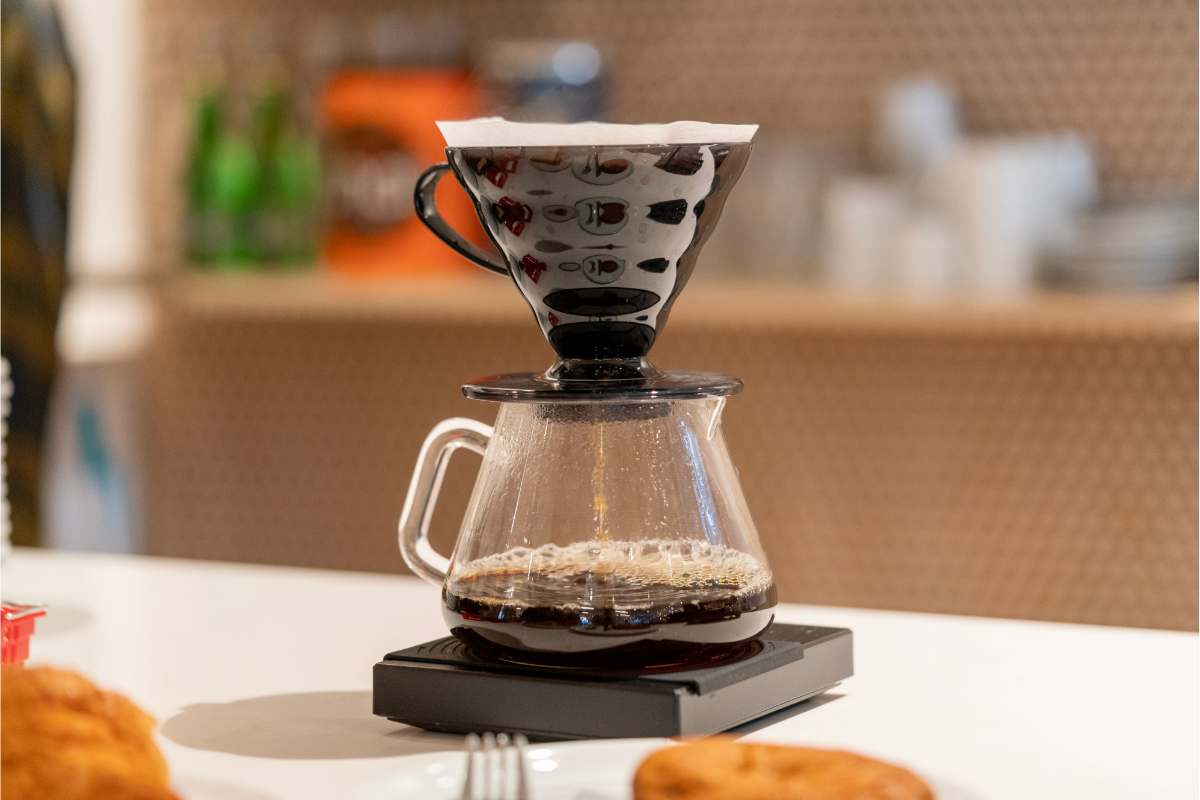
17 622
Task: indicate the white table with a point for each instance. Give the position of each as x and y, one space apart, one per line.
260 678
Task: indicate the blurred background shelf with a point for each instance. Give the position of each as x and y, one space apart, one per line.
1031 457
713 303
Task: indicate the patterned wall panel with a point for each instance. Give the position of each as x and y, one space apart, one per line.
1046 470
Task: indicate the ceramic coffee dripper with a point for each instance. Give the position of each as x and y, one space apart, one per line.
600 240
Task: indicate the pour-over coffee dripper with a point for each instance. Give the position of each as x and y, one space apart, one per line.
599 239
607 521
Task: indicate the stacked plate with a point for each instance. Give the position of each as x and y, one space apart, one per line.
1133 244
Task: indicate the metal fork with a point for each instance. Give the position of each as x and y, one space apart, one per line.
495 768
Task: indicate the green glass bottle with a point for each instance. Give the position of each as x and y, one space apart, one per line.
202 218
295 169
289 188
232 183
269 109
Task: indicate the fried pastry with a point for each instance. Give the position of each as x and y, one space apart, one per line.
67 739
721 768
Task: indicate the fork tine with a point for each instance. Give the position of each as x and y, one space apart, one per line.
489 767
490 773
468 790
502 754
519 744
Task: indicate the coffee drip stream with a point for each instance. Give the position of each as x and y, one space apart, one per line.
607 523
599 499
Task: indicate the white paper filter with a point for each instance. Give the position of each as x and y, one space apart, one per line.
499 132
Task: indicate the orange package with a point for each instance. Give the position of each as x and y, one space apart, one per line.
380 136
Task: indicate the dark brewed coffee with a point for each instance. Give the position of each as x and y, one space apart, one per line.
611 602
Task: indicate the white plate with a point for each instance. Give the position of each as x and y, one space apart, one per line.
593 770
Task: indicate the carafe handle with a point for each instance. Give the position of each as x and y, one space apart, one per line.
446 437
426 207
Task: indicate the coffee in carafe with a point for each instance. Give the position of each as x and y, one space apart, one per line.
631 600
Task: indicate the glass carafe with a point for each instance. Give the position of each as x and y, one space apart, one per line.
610 529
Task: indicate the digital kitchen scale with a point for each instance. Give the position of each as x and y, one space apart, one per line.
445 686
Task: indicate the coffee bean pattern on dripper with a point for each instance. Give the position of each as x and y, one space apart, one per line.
593 263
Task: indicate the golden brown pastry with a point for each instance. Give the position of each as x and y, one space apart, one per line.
66 739
724 769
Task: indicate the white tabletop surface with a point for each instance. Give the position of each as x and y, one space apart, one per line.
260 678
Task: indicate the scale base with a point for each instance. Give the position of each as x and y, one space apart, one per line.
443 686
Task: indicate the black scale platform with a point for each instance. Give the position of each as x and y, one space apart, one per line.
443 686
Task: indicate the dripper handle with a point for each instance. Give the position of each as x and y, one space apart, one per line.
446 437
426 207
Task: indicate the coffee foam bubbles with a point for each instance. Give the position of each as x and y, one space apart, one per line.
612 573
